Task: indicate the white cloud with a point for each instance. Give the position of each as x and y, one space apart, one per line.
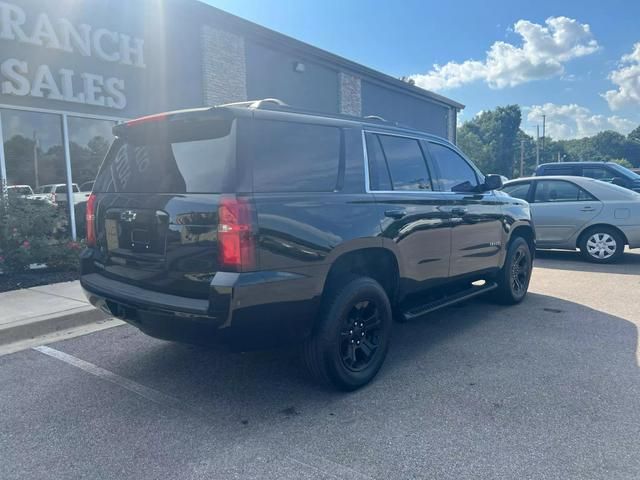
575 121
627 80
544 50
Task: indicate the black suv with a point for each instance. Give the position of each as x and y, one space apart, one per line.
605 171
255 224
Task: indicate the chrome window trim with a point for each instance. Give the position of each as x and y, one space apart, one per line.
367 181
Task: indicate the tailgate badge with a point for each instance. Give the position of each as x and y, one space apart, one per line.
128 216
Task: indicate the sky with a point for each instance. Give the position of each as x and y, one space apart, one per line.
577 62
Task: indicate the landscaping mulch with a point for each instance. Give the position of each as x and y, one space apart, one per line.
15 281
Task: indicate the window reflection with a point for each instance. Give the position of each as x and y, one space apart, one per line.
33 148
89 141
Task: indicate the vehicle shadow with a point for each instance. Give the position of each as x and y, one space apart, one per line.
629 264
477 385
548 331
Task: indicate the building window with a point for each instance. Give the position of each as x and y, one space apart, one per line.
33 148
34 154
89 141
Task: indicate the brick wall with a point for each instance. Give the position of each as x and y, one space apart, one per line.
223 66
350 94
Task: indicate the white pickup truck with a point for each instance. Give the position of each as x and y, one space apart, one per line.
57 193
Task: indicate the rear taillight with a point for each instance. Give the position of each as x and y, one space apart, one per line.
148 119
91 220
236 243
53 198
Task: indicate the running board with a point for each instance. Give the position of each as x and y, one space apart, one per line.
420 310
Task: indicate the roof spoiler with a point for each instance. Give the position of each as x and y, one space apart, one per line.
177 116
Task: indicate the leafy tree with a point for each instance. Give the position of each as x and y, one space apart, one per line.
622 161
491 139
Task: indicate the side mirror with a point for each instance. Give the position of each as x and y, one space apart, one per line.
492 182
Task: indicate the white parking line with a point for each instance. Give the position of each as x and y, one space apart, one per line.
326 466
146 392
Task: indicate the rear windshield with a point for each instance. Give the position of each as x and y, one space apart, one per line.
184 158
20 190
63 188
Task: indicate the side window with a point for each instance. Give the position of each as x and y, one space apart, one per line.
560 191
518 190
558 171
599 173
406 163
455 173
295 157
379 178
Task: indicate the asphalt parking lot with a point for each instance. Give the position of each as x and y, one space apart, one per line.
547 389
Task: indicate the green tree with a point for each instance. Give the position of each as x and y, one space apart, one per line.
491 139
623 161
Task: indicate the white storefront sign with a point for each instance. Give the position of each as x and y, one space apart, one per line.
21 78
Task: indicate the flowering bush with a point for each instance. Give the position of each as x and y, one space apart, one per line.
34 233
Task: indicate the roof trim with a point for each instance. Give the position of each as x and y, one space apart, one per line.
286 42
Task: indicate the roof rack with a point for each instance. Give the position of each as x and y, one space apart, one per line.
277 104
376 117
265 102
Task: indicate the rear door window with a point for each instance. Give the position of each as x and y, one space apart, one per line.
295 157
560 191
379 176
188 158
406 163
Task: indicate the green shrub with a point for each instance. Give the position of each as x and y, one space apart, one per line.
34 232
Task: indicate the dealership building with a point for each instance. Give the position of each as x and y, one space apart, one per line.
71 69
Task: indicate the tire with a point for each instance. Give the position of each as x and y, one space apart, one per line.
601 245
513 279
355 320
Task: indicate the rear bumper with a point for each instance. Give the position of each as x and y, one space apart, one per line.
244 310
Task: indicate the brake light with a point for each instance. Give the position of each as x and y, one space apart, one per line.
53 198
149 118
236 243
91 220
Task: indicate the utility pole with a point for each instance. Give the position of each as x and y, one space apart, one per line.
537 145
558 157
544 131
522 157
35 158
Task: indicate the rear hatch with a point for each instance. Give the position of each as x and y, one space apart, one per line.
157 197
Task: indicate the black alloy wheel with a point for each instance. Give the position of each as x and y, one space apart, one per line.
352 334
360 335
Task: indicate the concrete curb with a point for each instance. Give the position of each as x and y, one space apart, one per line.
48 324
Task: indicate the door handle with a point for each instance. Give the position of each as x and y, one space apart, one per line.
458 211
396 214
587 209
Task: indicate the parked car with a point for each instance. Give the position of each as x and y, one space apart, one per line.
24 191
57 193
606 171
256 225
578 212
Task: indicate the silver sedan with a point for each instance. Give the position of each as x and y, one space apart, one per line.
578 212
